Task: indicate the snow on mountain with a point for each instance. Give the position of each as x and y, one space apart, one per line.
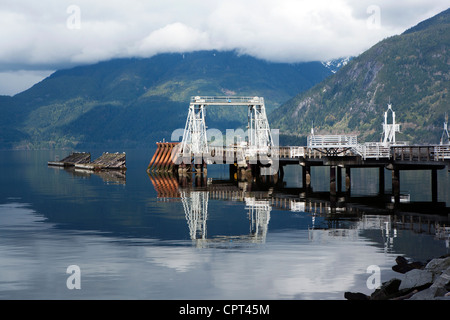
335 64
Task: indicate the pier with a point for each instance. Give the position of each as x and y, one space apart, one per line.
82 160
72 160
257 155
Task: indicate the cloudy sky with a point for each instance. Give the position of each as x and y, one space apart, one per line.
39 37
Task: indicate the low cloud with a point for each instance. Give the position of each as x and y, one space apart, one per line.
49 35
174 37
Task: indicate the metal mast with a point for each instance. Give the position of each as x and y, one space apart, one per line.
389 130
445 138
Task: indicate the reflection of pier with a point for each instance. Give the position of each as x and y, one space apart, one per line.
108 176
261 200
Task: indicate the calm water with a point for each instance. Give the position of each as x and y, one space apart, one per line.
132 241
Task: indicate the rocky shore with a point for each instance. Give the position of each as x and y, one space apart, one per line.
421 281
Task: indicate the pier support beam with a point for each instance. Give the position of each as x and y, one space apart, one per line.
434 185
339 179
333 180
306 176
348 181
381 180
281 172
233 172
396 184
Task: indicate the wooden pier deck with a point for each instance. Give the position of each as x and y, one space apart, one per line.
82 160
107 161
72 160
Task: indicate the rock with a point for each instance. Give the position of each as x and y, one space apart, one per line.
406 296
438 265
403 266
416 278
443 280
355 296
441 283
401 260
430 281
427 294
430 293
387 290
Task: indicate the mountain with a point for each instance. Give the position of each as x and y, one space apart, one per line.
411 71
136 102
335 64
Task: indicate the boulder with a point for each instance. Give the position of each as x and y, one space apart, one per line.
441 281
430 281
416 278
387 290
427 294
403 266
355 296
438 265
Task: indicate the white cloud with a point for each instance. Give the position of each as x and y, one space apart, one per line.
38 35
175 37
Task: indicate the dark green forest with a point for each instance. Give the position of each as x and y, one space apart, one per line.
136 102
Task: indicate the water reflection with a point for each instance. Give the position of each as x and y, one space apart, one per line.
340 216
157 237
108 176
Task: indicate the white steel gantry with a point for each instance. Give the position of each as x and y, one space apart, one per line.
194 136
195 140
259 135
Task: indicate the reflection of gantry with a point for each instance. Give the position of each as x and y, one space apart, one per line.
259 216
195 205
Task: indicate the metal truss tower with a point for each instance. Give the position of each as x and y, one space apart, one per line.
259 135
194 136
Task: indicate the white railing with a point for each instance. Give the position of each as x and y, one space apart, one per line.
442 152
210 100
332 141
297 152
373 150
368 150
